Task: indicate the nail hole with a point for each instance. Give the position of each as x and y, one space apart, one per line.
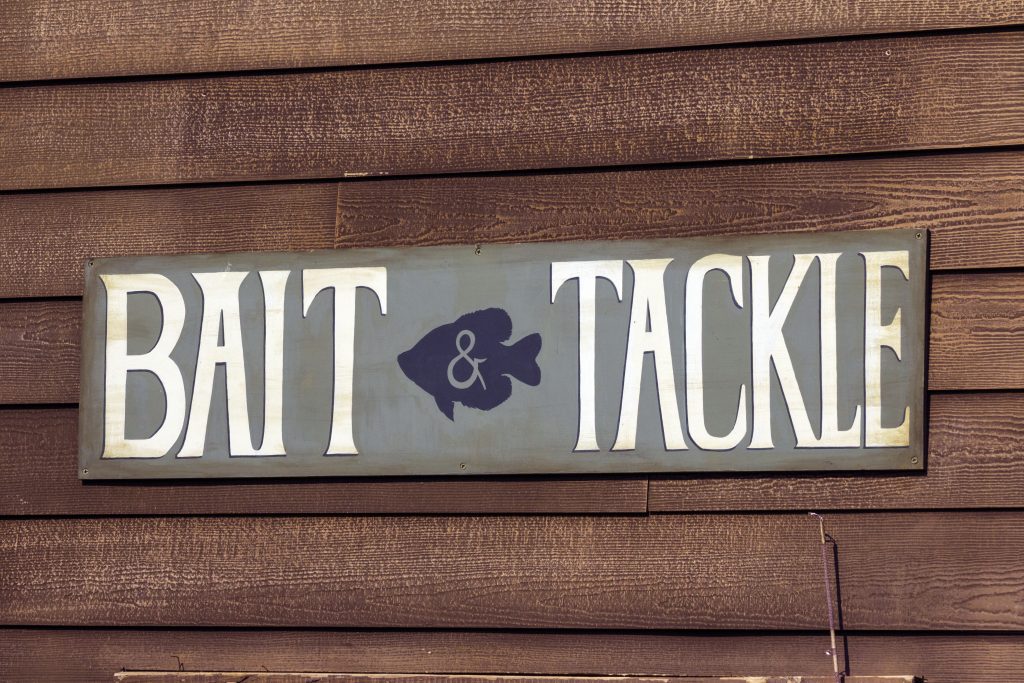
918 235
462 465
85 471
888 53
477 250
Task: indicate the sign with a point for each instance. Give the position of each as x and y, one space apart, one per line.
783 352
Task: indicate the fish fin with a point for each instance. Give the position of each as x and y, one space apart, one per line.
523 364
493 321
446 406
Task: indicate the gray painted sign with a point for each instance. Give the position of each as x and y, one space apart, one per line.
782 352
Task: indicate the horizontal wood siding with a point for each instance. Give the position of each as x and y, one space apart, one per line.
47 238
42 39
972 204
795 99
808 120
78 656
909 571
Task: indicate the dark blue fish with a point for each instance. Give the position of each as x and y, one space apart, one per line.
467 362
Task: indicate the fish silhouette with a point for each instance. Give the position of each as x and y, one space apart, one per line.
467 362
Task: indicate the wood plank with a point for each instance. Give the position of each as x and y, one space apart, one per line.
973 204
899 571
974 461
38 455
76 38
975 447
48 237
974 319
88 656
671 106
281 677
39 351
975 340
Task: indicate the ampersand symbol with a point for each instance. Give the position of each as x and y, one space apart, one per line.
464 355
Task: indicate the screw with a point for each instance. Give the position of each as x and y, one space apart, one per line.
918 235
85 471
914 460
462 465
477 250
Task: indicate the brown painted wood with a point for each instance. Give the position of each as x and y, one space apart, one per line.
905 571
38 475
973 204
782 100
75 38
48 237
87 656
974 320
975 449
976 442
264 677
975 340
39 351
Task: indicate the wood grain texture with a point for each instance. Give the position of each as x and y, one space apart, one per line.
672 106
42 39
973 204
48 237
39 351
916 571
974 320
38 475
88 656
975 460
975 340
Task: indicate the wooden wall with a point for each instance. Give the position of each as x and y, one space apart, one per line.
209 126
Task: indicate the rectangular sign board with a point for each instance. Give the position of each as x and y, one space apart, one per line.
768 353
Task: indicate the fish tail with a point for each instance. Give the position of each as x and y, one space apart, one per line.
523 360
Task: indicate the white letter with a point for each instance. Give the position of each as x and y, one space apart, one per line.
876 336
732 266
769 345
157 361
831 435
220 306
344 282
649 303
587 273
274 282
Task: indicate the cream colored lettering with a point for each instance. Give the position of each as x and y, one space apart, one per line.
156 361
696 424
344 282
649 305
876 337
587 273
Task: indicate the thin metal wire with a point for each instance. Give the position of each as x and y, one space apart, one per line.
828 597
